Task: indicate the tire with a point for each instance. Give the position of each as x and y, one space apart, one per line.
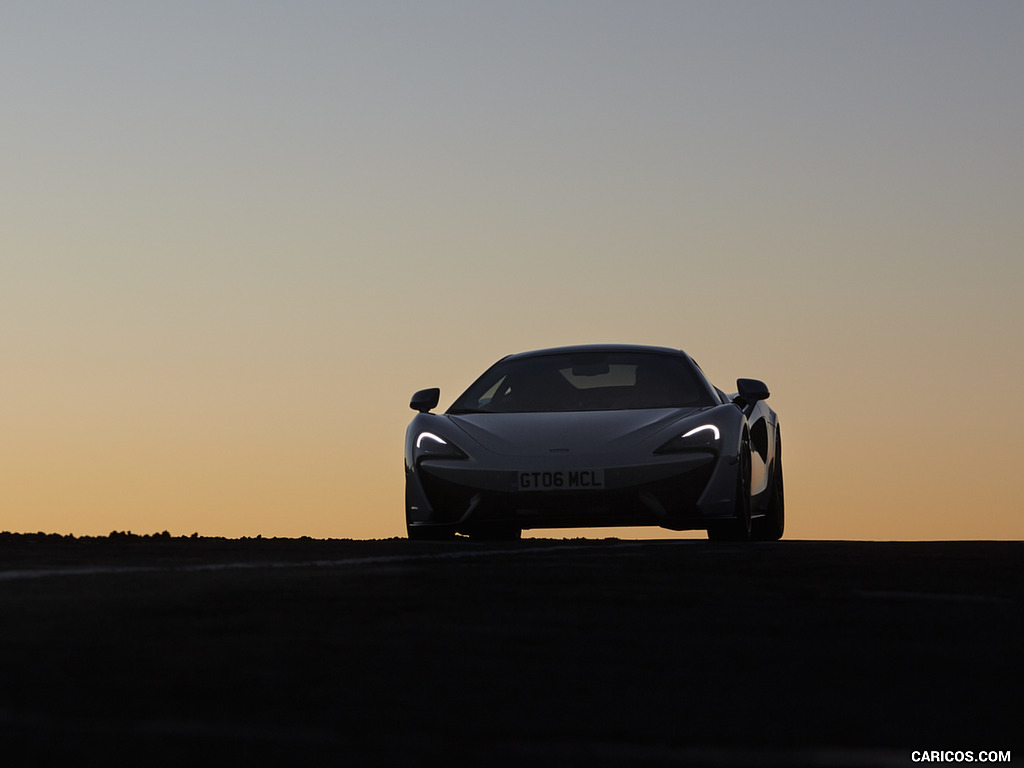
429 533
739 528
771 526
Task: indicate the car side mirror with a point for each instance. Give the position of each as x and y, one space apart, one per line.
750 392
425 399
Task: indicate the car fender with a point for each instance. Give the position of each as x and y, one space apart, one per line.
719 497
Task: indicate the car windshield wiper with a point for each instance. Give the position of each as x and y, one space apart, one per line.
461 411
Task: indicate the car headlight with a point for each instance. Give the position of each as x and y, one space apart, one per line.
431 446
705 437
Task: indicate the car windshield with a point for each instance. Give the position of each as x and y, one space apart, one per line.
586 381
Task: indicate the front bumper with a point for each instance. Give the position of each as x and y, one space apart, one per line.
666 491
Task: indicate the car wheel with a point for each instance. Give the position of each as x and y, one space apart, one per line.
739 528
429 533
771 526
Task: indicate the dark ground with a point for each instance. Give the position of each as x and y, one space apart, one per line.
588 653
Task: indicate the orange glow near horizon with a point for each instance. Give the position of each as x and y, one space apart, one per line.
234 248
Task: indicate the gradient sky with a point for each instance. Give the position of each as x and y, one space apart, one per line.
236 236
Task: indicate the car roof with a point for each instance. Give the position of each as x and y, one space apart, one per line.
597 348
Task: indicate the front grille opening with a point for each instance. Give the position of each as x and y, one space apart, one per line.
642 504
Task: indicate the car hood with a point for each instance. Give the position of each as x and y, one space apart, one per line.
584 432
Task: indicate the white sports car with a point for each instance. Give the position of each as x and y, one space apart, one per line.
595 435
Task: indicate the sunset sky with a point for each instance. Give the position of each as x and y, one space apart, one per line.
236 236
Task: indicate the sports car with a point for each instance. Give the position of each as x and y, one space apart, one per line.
595 435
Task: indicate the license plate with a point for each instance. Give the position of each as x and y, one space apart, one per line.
560 480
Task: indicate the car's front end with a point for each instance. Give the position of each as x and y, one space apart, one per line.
489 472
